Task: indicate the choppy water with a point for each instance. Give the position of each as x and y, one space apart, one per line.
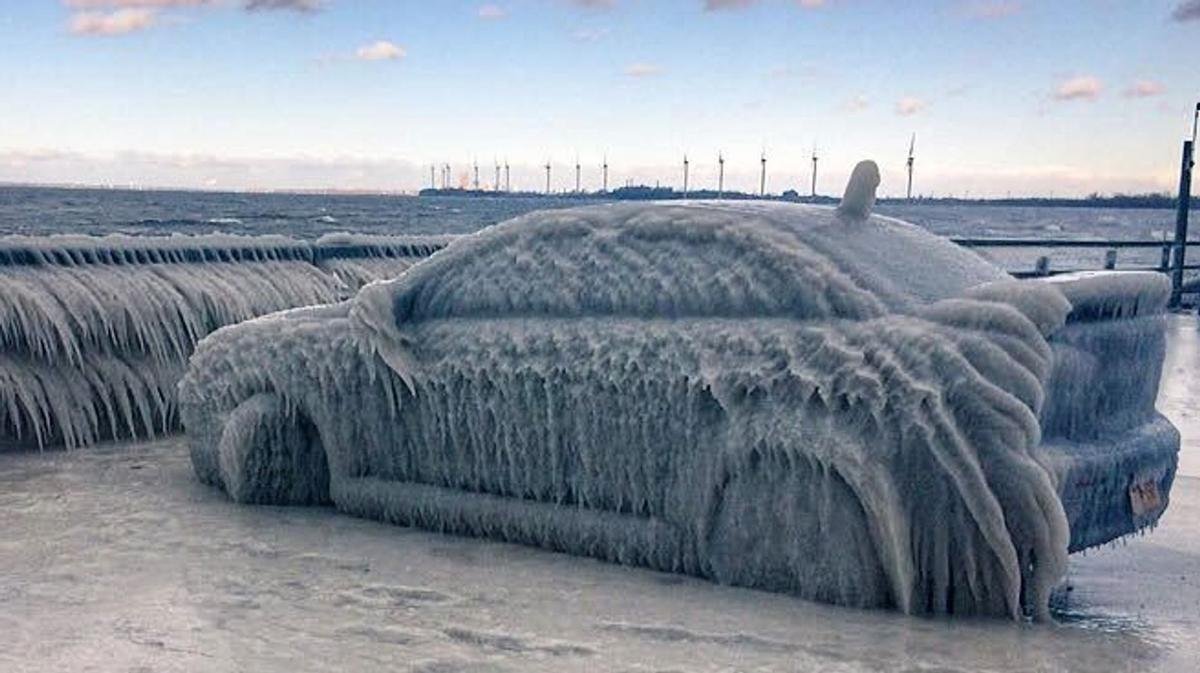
29 210
43 211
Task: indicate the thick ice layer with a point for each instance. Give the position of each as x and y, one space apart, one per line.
77 314
725 390
57 313
834 411
1105 376
1100 295
684 260
99 396
1095 479
1101 432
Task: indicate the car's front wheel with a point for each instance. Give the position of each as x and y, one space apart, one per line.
271 454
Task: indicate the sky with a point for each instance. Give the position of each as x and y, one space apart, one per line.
1020 97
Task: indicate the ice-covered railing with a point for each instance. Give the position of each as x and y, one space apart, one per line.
76 250
117 249
358 259
1057 256
94 331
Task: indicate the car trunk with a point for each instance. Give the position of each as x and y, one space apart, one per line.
1113 454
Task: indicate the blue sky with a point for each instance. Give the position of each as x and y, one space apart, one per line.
1020 96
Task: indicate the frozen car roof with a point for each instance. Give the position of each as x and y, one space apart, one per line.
691 259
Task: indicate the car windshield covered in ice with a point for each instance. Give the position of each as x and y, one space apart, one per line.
811 400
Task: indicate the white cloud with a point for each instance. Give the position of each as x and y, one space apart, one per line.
1145 88
491 12
380 50
1189 10
251 5
119 22
1084 87
908 106
120 17
642 70
190 170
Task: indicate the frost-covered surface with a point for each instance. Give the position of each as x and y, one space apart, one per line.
114 558
1098 295
358 259
1101 431
775 396
94 332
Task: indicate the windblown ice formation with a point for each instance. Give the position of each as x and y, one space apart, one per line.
358 259
94 332
793 398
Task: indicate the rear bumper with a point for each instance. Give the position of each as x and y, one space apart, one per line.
1115 485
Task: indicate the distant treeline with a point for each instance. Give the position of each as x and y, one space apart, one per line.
647 193
1093 200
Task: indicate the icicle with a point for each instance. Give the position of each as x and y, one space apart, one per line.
99 314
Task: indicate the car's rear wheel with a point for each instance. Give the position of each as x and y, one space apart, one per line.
794 526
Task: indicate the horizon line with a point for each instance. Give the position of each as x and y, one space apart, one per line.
1098 197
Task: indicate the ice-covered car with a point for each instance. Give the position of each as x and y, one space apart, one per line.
811 400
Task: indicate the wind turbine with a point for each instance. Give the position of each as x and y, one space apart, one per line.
432 181
577 174
814 175
507 175
720 175
685 176
912 145
496 184
547 176
605 167
762 180
475 164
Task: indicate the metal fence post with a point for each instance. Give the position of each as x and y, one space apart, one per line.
1181 224
1042 268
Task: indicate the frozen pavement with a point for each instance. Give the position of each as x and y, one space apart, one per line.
1179 395
115 559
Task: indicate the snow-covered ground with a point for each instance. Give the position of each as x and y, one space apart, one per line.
114 558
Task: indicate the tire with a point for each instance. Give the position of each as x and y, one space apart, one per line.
793 526
270 454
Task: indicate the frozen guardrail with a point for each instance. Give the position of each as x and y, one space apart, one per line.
1165 263
117 249
95 331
